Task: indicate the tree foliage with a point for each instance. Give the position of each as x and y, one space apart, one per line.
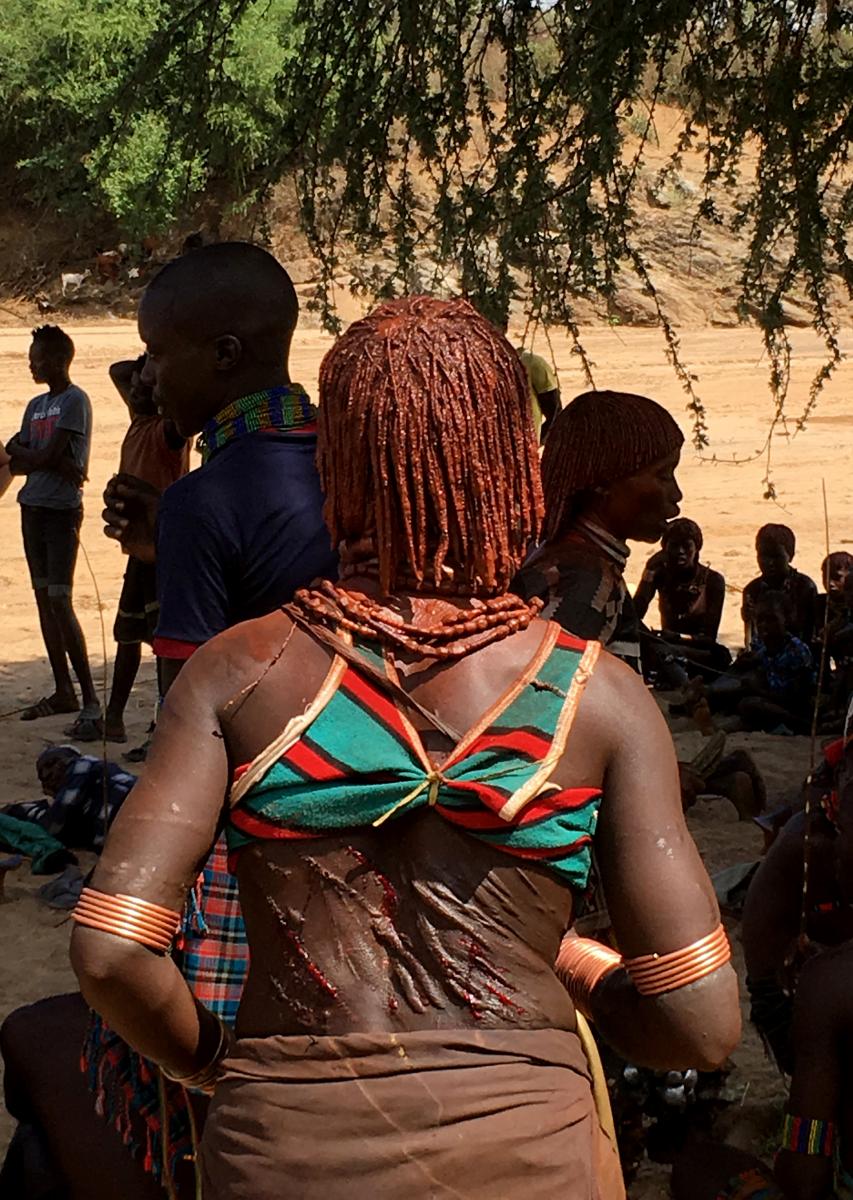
471 145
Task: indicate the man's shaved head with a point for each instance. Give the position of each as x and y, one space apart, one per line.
229 287
217 325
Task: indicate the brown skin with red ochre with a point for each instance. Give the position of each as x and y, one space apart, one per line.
412 925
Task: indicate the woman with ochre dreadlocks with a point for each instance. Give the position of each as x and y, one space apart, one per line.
409 767
608 473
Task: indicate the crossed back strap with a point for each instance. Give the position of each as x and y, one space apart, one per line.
356 659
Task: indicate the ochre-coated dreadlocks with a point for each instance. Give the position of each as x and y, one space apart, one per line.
427 448
600 438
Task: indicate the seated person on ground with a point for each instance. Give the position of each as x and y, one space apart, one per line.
775 546
771 685
690 596
85 793
834 616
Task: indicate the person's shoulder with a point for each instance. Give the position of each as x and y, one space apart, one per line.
800 648
805 582
75 392
36 402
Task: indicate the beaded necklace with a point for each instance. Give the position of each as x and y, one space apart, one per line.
438 631
285 408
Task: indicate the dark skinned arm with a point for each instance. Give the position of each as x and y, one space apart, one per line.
821 1020
25 460
155 850
645 593
121 373
5 472
658 893
715 598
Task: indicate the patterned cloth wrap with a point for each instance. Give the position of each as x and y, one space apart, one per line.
357 755
213 953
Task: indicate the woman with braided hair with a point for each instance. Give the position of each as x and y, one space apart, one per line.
409 767
608 473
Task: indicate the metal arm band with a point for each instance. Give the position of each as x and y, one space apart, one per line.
129 917
653 974
582 964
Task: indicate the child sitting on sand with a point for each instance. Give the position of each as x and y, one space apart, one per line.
775 546
770 686
835 626
690 599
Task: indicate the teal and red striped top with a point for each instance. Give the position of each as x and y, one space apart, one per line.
353 758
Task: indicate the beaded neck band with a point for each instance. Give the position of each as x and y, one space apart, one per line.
277 409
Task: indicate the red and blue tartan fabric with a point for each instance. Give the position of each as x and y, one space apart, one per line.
214 957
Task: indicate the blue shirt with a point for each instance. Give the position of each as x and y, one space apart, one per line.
237 537
789 668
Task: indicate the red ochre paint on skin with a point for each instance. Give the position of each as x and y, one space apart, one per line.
390 902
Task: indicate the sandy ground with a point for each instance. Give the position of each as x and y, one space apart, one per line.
726 500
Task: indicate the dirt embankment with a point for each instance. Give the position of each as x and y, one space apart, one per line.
53 266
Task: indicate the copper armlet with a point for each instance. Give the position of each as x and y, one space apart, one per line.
653 974
129 917
583 964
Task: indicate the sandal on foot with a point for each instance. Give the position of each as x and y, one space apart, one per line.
138 754
88 726
48 706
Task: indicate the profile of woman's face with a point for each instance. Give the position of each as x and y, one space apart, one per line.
639 507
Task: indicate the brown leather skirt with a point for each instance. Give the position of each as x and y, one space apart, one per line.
476 1114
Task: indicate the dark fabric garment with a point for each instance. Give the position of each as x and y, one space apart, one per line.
584 591
51 540
238 537
138 610
802 596
772 1012
43 416
465 1113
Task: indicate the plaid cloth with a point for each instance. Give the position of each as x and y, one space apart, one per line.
214 958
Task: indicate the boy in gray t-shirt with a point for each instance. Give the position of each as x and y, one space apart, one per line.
52 451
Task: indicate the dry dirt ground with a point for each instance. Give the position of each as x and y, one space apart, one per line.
726 500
